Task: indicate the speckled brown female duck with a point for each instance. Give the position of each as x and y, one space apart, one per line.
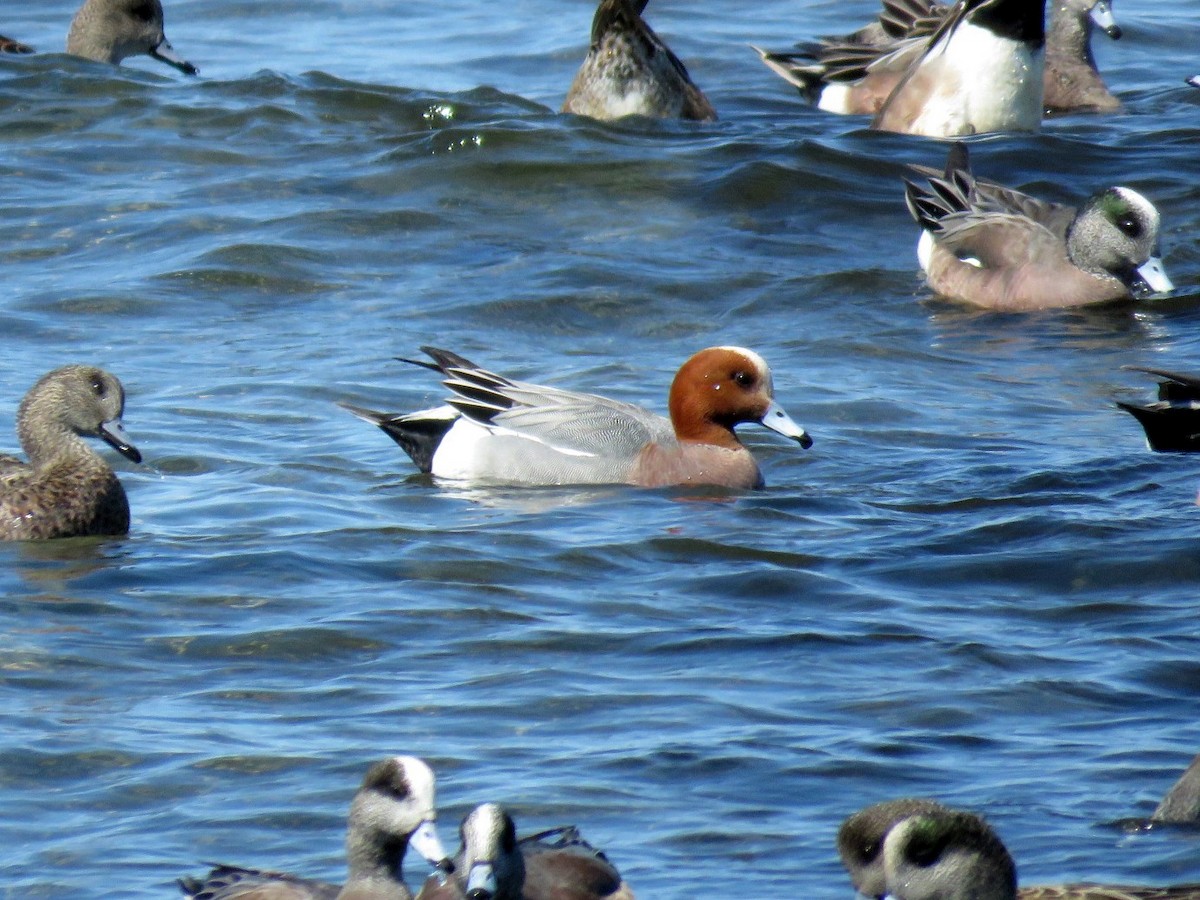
111 30
66 489
629 71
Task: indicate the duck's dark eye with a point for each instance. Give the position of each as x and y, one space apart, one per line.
99 387
1130 225
925 849
396 786
744 378
143 11
923 855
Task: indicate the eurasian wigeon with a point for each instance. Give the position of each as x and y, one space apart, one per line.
554 865
393 809
947 854
1172 423
110 30
499 431
997 248
66 489
629 71
856 73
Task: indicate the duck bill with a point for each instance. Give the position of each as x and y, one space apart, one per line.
1102 17
425 841
1151 278
113 433
777 419
166 53
481 882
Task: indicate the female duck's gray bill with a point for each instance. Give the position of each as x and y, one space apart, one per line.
1103 18
165 52
113 433
777 419
425 841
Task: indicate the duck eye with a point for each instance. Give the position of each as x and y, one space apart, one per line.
743 378
1130 226
924 854
143 11
870 850
99 387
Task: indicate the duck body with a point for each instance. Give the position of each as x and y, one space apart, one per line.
998 248
562 865
66 489
630 71
1172 424
492 864
392 810
496 430
981 71
856 73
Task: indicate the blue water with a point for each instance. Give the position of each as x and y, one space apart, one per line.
977 585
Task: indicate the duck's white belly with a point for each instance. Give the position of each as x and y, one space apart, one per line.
985 83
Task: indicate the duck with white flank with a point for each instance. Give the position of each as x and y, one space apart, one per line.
495 430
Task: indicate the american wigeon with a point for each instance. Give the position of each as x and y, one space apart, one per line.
488 865
1181 804
860 841
554 865
66 489
953 855
1172 423
845 77
499 431
1072 81
995 247
393 809
981 71
630 71
111 30
855 73
8 45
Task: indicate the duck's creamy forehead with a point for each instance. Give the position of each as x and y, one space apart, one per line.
757 361
419 777
482 829
1138 202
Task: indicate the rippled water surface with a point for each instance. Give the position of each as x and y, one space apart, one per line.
978 584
